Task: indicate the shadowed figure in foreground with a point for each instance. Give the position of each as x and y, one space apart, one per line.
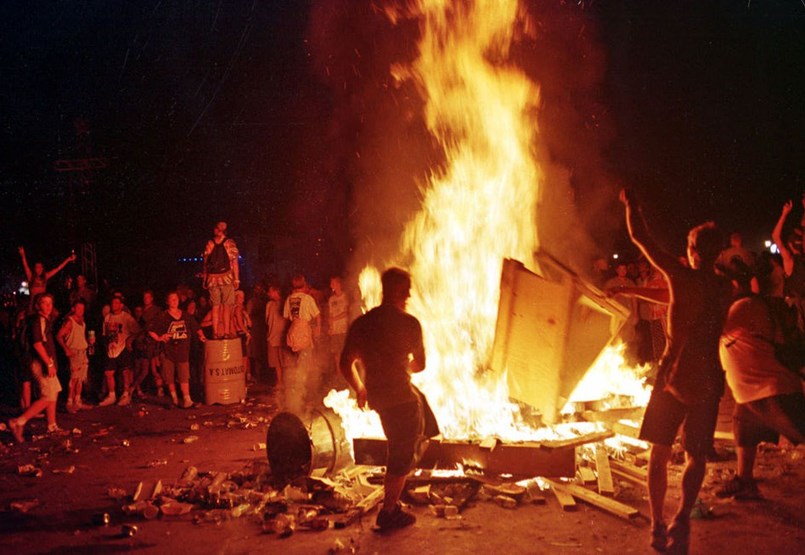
387 343
690 381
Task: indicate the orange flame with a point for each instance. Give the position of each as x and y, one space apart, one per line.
478 209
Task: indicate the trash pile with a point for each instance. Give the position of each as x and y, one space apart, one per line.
213 497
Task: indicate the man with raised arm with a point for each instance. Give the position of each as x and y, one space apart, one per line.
690 381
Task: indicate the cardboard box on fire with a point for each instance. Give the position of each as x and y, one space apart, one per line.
550 329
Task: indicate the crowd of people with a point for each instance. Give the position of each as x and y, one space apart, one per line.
82 348
718 315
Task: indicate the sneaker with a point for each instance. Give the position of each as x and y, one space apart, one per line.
394 519
54 429
110 400
16 429
740 489
679 537
188 403
71 408
125 399
659 537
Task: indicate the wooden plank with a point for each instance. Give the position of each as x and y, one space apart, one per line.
623 467
489 443
566 500
605 483
525 460
626 429
361 508
605 503
629 477
721 435
577 441
586 475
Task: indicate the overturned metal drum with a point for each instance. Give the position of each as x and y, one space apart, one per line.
296 448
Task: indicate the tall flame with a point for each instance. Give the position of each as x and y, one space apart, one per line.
476 210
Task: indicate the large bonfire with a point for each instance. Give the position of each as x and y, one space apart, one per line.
478 208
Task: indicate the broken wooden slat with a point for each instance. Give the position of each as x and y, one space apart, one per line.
586 475
566 500
629 477
605 484
577 441
629 470
534 493
588 496
361 508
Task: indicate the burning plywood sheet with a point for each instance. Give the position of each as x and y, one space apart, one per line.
550 329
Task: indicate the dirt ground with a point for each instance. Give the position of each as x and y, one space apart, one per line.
119 447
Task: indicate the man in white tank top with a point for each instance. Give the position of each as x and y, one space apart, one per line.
73 338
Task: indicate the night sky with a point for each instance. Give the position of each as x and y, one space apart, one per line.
256 112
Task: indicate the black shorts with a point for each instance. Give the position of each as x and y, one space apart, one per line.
665 413
404 426
123 361
767 419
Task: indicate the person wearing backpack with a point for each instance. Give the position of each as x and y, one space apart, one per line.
42 361
305 324
221 278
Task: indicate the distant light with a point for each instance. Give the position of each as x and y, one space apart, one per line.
774 249
615 256
23 290
768 244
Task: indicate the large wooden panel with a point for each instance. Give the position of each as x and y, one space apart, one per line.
550 329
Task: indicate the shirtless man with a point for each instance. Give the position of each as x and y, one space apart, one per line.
690 381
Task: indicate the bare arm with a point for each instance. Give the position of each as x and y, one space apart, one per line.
641 237
62 336
346 365
777 237
50 363
25 266
60 267
650 294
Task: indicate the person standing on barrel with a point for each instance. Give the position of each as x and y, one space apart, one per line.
221 279
387 342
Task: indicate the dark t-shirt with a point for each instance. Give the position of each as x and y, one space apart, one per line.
40 329
383 338
182 330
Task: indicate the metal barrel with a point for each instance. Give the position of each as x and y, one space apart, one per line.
296 449
224 373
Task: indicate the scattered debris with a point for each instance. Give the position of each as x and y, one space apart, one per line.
128 530
29 470
25 506
68 470
116 493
